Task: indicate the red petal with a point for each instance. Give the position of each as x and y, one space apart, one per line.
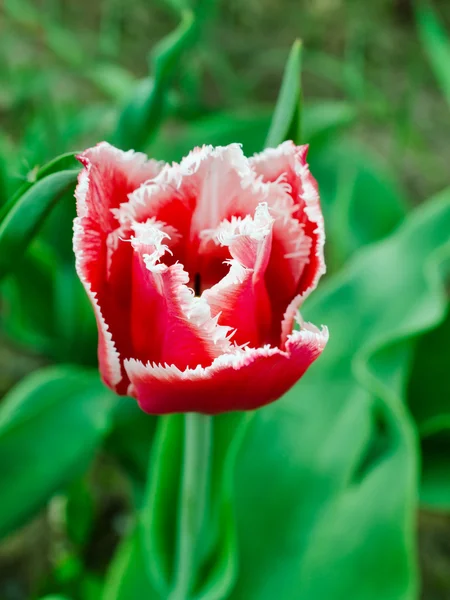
245 380
289 161
207 186
240 298
169 324
109 175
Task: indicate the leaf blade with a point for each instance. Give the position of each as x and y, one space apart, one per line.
287 114
28 214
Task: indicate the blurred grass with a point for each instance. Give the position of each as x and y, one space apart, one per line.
65 67
59 57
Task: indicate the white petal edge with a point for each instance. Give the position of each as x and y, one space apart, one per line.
240 357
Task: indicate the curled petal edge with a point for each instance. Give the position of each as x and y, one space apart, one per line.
245 379
287 157
109 358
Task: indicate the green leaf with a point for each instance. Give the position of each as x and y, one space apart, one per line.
53 597
131 440
141 118
322 119
79 512
154 543
436 43
50 426
25 317
340 449
74 321
23 221
361 200
57 319
127 575
247 127
428 379
113 80
220 542
64 162
286 120
428 397
435 480
161 501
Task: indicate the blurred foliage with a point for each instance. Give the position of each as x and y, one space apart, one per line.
331 476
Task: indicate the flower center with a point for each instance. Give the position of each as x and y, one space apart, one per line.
197 284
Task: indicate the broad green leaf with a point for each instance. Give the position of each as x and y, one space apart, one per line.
218 569
220 543
127 575
436 43
435 481
326 481
286 120
50 426
64 162
29 319
131 439
141 118
161 501
79 512
22 222
429 402
75 325
57 319
361 200
429 379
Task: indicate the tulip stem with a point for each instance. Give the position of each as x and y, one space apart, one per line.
193 501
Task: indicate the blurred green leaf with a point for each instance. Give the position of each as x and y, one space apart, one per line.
220 538
435 480
286 120
429 402
4 181
141 118
160 503
324 118
57 319
74 320
50 426
127 575
25 318
79 512
22 222
436 43
247 127
54 597
131 439
115 81
348 77
156 543
61 42
348 456
361 200
428 380
64 162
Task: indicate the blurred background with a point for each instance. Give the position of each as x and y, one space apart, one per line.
376 90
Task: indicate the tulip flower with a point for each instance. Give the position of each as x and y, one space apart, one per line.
196 272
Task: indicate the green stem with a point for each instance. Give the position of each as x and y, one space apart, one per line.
193 501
